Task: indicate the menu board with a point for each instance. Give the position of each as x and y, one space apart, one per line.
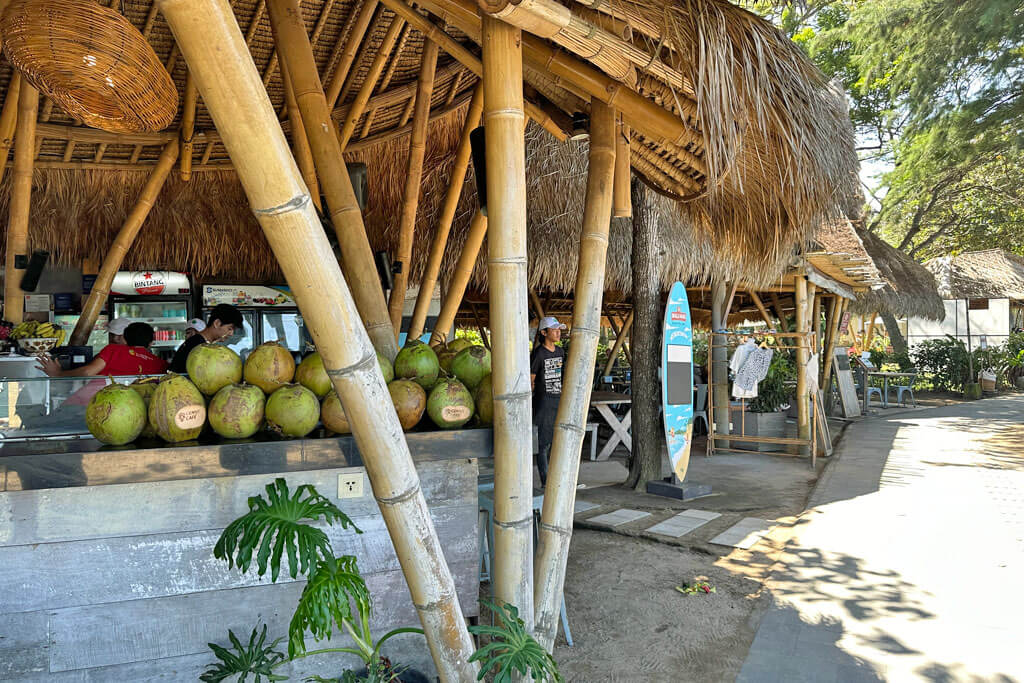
247 295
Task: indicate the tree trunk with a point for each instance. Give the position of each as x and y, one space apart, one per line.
899 344
645 464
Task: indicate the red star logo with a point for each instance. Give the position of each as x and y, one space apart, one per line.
148 275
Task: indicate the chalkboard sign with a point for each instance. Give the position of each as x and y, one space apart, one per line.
677 379
844 377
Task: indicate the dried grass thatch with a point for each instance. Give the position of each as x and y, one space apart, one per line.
910 289
988 274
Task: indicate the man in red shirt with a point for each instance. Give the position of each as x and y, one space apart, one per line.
131 358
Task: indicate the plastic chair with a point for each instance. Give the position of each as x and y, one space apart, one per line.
700 407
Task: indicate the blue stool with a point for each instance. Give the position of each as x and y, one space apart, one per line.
487 537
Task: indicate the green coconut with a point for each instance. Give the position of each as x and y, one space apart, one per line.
450 404
418 362
145 389
333 414
270 366
177 410
459 343
292 410
212 366
386 368
116 415
445 356
410 401
312 374
483 400
236 411
472 365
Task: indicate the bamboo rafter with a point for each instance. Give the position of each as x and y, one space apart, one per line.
345 52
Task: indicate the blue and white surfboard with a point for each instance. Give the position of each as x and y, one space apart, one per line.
677 379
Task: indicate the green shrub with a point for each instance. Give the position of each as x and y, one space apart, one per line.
944 362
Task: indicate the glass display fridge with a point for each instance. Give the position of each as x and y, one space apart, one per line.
269 313
161 298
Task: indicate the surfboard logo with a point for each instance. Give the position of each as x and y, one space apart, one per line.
678 316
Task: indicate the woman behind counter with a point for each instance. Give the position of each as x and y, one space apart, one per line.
131 358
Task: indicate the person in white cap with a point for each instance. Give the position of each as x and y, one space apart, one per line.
546 381
115 330
195 326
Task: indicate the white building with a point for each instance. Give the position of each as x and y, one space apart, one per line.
983 293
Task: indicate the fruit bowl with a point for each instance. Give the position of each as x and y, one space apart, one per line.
37 345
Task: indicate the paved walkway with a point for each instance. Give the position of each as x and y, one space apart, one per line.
909 564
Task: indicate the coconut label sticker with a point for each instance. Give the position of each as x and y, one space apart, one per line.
677 379
455 413
190 417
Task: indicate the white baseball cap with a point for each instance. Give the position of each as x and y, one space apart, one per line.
118 325
196 324
548 322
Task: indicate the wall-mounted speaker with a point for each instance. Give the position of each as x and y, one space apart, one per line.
34 270
476 143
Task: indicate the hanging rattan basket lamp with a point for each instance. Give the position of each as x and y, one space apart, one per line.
92 62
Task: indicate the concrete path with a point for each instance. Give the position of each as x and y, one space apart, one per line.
909 563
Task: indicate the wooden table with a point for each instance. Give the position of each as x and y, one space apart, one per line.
601 401
886 376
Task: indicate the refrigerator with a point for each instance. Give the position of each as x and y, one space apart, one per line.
158 297
269 313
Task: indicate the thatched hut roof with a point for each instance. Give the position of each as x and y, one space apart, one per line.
770 153
988 274
909 290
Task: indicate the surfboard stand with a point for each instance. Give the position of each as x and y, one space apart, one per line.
680 490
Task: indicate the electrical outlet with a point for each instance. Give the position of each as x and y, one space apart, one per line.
350 485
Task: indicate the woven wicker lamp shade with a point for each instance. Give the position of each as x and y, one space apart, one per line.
92 62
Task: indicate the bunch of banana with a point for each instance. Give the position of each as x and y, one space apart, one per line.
33 329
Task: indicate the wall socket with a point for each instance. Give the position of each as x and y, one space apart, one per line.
350 484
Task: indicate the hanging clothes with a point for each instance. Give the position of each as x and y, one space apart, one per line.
739 356
754 369
811 373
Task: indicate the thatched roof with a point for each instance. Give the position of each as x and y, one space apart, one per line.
909 289
838 252
988 274
769 156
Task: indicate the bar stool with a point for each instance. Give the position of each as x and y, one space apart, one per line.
486 497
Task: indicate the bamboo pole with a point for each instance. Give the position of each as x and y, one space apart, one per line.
622 203
538 307
122 243
348 55
9 119
213 47
356 255
504 119
835 315
460 278
480 326
300 142
577 379
803 416
719 362
188 127
413 182
760 308
871 332
444 223
355 111
777 305
20 202
620 339
816 321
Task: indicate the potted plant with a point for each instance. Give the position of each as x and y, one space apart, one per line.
766 414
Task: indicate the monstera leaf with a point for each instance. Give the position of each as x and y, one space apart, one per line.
334 588
512 651
256 658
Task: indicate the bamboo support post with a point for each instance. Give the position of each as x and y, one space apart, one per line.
816 321
370 83
212 45
504 119
777 306
444 224
122 243
803 417
356 255
622 204
413 182
460 278
620 339
538 307
835 316
760 308
20 202
480 326
348 54
188 127
577 379
719 360
9 119
871 332
300 142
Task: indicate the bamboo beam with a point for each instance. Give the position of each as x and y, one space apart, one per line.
444 224
20 202
777 306
212 45
871 332
460 278
300 143
363 96
728 303
504 119
396 56
69 151
413 183
356 255
760 308
620 339
188 127
538 307
360 23
101 149
453 89
622 204
122 243
835 316
480 326
578 378
9 118
803 423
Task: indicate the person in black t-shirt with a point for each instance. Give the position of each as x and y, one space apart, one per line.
223 321
546 381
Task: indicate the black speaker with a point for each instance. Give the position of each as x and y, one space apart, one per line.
476 143
30 280
360 184
384 270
